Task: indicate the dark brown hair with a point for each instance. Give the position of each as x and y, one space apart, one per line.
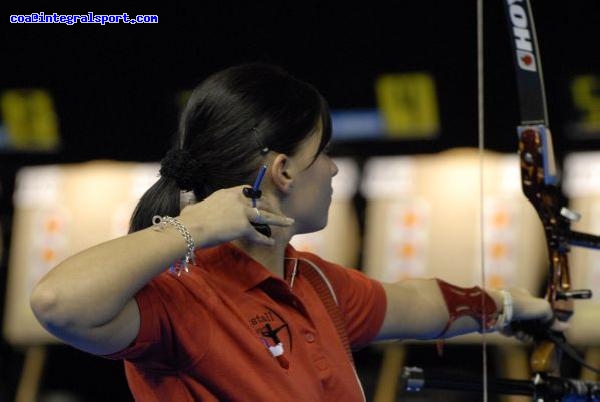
228 119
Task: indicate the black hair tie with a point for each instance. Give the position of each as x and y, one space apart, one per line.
179 165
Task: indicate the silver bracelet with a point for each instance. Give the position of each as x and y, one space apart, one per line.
505 317
160 223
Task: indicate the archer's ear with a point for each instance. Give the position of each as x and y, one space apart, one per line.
281 173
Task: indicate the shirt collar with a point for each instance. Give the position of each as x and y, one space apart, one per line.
232 265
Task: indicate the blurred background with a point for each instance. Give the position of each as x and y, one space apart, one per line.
87 111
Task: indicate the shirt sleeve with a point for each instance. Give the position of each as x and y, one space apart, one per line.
164 305
361 299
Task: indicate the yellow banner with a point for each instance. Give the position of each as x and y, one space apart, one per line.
408 104
30 120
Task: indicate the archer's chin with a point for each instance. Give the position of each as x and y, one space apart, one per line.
315 227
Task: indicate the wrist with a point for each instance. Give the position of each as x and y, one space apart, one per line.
506 310
197 230
161 223
504 303
498 297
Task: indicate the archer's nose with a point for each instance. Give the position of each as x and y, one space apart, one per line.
334 168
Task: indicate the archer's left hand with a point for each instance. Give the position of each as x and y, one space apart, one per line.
530 312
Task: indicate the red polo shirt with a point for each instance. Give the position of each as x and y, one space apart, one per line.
205 335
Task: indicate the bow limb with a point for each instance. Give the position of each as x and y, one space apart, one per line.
541 185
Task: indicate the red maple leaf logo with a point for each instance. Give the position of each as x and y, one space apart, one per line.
527 60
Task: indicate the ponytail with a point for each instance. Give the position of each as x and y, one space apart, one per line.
160 199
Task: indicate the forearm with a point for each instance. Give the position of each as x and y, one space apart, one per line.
418 310
91 287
